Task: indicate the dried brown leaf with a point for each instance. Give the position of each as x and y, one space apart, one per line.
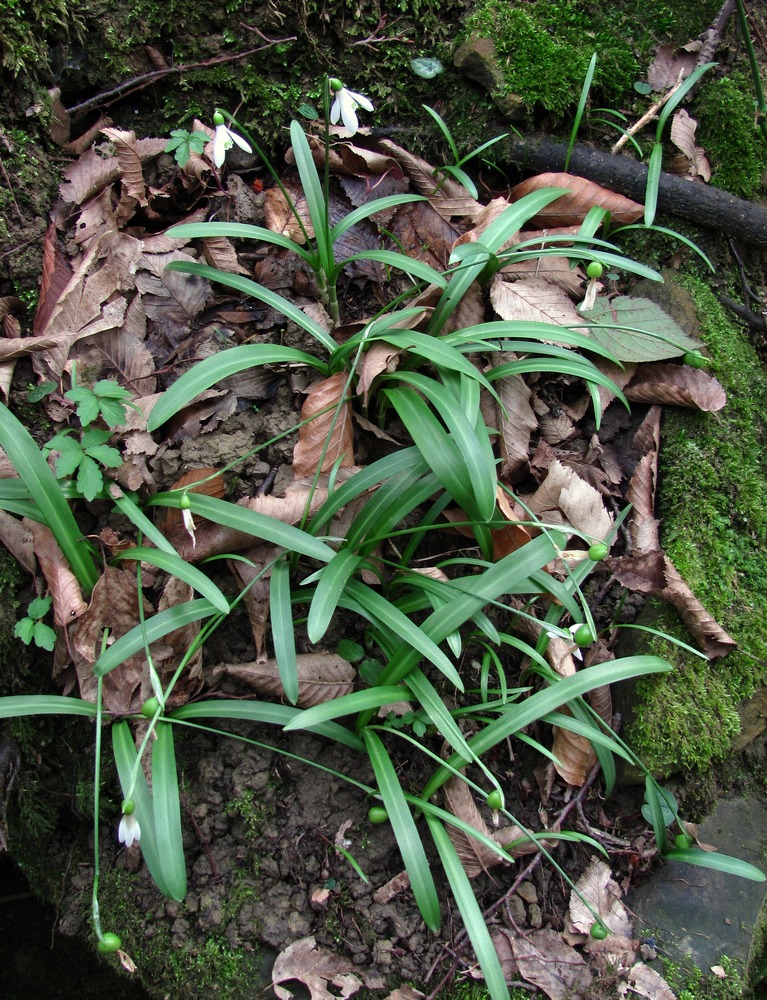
220 253
554 269
572 208
129 160
113 606
598 888
451 199
671 63
254 576
319 970
55 277
171 299
92 171
424 234
676 385
17 537
321 677
544 959
532 299
329 435
646 982
683 128
475 856
68 603
564 498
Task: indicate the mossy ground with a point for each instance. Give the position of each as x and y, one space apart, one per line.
713 507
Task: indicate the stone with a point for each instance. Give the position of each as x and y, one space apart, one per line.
697 915
477 59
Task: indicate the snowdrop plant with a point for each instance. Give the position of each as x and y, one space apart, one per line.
345 105
225 139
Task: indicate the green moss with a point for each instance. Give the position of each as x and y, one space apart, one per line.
545 45
713 509
694 984
738 153
28 27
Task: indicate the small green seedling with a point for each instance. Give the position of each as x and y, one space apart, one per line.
84 457
455 170
183 143
32 629
106 399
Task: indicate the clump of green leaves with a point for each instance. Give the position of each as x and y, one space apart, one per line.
105 399
85 456
183 143
33 629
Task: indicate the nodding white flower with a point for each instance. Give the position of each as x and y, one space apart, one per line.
592 289
575 652
224 139
345 106
129 831
188 520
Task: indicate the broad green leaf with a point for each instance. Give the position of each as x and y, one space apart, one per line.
719 862
28 461
154 628
267 712
18 705
332 582
167 811
654 337
259 292
251 522
409 265
654 168
283 630
471 914
218 367
176 566
371 208
405 831
314 195
238 231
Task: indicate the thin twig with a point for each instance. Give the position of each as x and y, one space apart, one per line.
139 82
648 116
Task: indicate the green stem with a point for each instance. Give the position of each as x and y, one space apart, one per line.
760 101
96 797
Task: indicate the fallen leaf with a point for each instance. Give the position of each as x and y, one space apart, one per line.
328 437
68 603
661 336
546 961
676 385
683 128
572 208
532 299
327 976
321 677
602 892
671 63
515 417
646 982
566 499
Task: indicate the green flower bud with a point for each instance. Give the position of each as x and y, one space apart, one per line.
128 807
109 943
218 118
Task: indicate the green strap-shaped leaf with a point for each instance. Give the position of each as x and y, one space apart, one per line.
719 862
172 563
44 488
238 231
471 914
331 585
283 629
167 811
18 705
220 366
408 839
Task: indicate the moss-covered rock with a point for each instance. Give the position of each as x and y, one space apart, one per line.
713 509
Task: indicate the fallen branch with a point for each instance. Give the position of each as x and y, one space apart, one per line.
108 97
700 203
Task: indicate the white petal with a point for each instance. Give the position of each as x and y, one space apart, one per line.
221 142
360 99
129 831
188 520
335 111
240 141
348 111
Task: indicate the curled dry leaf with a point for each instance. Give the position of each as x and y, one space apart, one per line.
676 385
646 982
68 603
92 171
129 161
329 434
220 253
683 128
672 63
554 269
254 582
451 199
514 417
566 499
571 209
321 677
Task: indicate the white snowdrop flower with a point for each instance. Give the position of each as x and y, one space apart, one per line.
129 831
592 289
575 652
224 139
186 516
345 106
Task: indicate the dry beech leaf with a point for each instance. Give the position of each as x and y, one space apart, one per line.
676 385
329 436
321 677
599 888
643 525
56 275
17 537
515 417
172 299
574 754
68 603
113 605
672 63
554 269
326 975
548 962
174 647
646 982
475 856
220 253
129 160
564 498
571 209
380 357
424 234
451 199
254 582
405 992
532 299
91 172
683 128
